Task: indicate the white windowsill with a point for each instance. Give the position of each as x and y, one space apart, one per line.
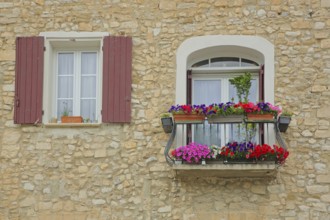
72 125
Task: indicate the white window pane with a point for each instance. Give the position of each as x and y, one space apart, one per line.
87 107
225 62
64 106
206 91
65 63
65 87
88 86
88 63
253 95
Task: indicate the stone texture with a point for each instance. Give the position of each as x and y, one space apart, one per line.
118 171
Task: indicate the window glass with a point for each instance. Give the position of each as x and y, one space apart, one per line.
88 85
65 76
225 62
246 62
207 92
203 63
76 84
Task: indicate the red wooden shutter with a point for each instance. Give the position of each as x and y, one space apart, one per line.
117 79
28 80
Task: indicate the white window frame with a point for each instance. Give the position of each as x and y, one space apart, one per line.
199 48
68 41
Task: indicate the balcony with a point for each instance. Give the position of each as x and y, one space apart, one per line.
221 132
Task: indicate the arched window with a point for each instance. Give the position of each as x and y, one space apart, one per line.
205 64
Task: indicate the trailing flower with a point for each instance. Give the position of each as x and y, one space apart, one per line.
260 108
188 109
228 108
192 153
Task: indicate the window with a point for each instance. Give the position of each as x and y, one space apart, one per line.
83 74
76 83
209 63
208 88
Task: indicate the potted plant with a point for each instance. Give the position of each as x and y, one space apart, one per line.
66 118
225 113
235 152
188 113
260 112
242 84
167 122
284 121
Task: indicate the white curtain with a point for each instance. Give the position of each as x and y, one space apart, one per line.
88 85
207 92
65 77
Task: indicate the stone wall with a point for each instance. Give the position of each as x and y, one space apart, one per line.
119 171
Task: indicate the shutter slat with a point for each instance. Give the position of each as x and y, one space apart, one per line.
117 68
28 80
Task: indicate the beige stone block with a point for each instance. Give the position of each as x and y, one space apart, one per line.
323 178
43 146
319 88
259 189
310 121
301 24
325 198
7 55
323 112
322 133
100 153
11 137
40 2
221 3
85 26
130 145
325 43
325 3
276 2
167 5
315 189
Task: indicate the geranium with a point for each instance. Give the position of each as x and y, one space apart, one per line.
228 108
188 109
235 150
265 152
250 151
192 153
260 108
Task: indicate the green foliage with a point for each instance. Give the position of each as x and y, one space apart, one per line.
242 84
165 115
288 114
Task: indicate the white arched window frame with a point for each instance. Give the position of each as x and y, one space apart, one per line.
203 47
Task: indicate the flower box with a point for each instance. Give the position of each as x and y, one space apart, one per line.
260 117
188 119
71 119
167 124
225 119
283 123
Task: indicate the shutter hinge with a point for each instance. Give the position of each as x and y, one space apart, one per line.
42 112
44 48
101 112
17 102
102 48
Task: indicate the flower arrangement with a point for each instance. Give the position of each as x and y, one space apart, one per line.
249 151
236 151
260 108
188 109
192 153
228 108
